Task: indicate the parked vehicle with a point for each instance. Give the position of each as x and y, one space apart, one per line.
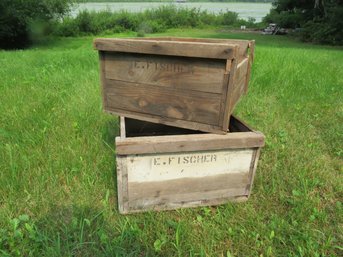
273 29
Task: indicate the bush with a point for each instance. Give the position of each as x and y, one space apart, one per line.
150 21
320 22
229 18
19 18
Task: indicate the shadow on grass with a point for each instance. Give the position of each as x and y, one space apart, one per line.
78 230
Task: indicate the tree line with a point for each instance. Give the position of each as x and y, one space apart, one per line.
318 21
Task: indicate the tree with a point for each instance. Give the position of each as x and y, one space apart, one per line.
320 20
17 18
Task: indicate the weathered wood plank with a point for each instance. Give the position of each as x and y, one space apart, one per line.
160 167
102 77
168 121
172 201
237 92
140 206
122 184
251 60
122 127
231 70
188 143
164 102
255 159
174 72
243 44
172 188
241 72
159 47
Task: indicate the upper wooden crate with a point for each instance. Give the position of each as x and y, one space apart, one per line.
183 82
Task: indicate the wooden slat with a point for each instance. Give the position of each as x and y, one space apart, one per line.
164 102
140 206
122 127
186 186
236 93
168 121
251 60
190 49
231 69
174 72
122 184
241 71
197 164
174 200
187 143
102 77
253 169
243 44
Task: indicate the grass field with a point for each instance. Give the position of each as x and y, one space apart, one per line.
57 164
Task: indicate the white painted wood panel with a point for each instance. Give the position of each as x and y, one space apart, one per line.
161 167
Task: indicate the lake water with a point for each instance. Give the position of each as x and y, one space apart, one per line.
244 10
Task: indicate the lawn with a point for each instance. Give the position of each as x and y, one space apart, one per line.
57 160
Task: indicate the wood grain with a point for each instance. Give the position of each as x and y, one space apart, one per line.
174 72
251 60
154 79
197 164
169 172
211 200
159 47
168 121
188 143
164 102
122 184
243 44
243 137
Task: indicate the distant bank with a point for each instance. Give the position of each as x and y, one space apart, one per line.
244 10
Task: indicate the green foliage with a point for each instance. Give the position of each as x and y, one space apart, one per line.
19 19
150 21
320 21
229 18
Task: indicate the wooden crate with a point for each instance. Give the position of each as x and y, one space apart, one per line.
161 167
182 82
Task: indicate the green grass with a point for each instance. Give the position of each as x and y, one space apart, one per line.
57 160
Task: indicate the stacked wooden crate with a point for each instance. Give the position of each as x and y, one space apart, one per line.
179 144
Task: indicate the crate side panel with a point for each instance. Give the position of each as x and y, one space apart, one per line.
188 186
162 102
174 201
162 167
174 72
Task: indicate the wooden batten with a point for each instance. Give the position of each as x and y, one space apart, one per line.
173 48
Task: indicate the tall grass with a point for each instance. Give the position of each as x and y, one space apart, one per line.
57 179
150 21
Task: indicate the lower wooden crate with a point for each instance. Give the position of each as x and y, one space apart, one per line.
161 167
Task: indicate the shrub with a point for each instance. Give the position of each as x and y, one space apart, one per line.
18 18
150 21
229 18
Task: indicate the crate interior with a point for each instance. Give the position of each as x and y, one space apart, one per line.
138 128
